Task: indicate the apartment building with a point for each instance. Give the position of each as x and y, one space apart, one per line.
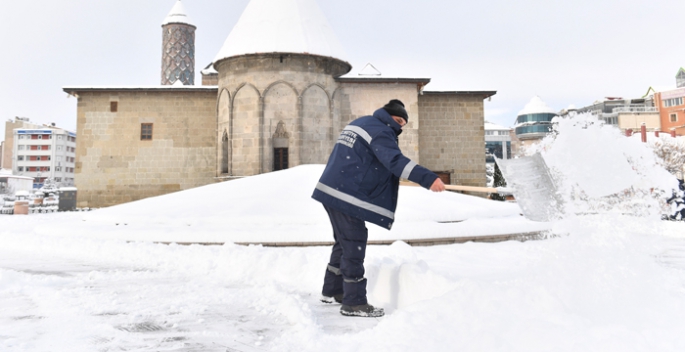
44 153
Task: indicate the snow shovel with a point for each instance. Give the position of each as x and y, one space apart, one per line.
535 192
528 179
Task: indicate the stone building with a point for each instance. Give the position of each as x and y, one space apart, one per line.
276 96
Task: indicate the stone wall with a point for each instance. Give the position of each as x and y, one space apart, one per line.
353 100
113 164
267 90
451 138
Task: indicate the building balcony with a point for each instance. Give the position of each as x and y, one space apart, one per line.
533 131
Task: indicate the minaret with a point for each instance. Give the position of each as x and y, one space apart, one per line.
178 47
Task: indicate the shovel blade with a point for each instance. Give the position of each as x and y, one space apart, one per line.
532 187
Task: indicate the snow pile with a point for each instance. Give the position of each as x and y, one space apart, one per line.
277 207
597 169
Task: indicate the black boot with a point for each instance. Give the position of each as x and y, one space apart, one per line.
330 299
364 310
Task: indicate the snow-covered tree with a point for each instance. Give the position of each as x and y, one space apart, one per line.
671 153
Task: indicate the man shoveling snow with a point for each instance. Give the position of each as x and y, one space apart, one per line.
360 184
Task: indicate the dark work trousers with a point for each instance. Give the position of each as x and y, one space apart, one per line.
345 272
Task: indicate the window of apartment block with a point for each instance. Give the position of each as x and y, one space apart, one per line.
58 168
673 102
21 136
59 147
20 147
31 169
59 138
145 131
58 179
45 147
34 136
674 117
34 147
20 168
20 157
113 106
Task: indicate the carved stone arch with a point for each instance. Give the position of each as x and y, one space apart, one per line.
316 125
273 84
341 107
244 85
223 120
281 143
336 92
219 95
225 152
244 135
320 86
281 104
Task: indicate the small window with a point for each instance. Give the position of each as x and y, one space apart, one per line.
145 131
20 168
20 158
21 136
20 147
59 137
674 117
40 136
58 168
113 106
59 147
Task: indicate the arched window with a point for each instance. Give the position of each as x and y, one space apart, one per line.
224 153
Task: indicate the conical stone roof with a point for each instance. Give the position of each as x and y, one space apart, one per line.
177 15
282 26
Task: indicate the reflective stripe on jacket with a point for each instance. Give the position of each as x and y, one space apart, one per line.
362 176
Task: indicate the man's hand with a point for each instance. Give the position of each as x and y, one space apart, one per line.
437 186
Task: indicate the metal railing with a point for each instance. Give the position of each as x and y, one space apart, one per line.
634 108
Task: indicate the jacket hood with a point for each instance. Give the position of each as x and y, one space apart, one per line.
383 115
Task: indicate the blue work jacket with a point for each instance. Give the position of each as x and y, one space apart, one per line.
363 172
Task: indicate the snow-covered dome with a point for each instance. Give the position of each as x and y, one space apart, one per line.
177 15
536 106
282 26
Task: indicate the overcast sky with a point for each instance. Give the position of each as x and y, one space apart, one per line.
567 52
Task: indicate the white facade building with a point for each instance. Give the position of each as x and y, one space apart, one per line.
497 142
45 153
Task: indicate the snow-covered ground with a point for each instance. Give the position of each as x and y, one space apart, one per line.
608 278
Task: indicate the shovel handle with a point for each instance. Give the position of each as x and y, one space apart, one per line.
466 188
